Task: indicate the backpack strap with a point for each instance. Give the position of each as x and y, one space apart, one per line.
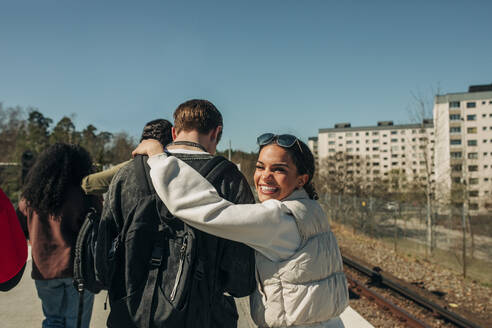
143 176
214 167
142 173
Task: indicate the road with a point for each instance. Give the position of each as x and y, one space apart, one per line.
21 307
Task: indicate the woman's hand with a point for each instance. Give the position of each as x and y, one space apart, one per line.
149 147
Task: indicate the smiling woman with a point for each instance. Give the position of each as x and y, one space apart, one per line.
276 176
299 266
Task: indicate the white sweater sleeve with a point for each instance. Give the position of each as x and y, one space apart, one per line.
268 227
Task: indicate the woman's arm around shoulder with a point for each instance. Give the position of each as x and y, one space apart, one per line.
268 227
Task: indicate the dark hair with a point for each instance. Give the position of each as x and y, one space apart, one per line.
27 161
303 159
197 114
159 130
58 168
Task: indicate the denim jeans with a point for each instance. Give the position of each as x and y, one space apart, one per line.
60 302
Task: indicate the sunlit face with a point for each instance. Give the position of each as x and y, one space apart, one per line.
276 175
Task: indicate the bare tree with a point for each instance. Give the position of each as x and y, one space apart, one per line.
341 179
424 180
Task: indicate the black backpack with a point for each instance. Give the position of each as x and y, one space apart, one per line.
84 277
163 262
84 274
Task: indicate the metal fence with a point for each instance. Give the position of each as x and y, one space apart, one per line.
405 225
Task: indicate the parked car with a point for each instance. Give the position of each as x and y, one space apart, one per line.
391 206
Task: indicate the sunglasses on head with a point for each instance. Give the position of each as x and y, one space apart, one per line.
283 140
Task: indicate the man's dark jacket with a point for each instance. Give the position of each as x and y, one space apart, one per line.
229 265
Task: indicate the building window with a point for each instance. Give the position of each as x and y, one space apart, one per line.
472 155
375 133
367 133
349 150
394 148
455 142
455 129
394 140
456 154
375 140
356 134
471 130
331 150
452 117
471 117
394 132
331 135
331 142
473 193
348 134
394 155
457 168
375 148
473 181
484 115
472 142
472 168
484 128
454 104
471 104
484 140
473 206
349 142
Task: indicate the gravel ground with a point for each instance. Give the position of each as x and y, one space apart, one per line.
472 299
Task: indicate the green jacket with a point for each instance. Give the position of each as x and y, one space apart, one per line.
98 183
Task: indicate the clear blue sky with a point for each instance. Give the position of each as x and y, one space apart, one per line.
280 66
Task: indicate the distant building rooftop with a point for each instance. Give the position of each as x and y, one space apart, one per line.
313 138
475 92
382 125
480 88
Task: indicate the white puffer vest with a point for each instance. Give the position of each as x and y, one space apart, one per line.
309 288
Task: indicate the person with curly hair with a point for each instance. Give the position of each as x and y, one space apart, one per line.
53 205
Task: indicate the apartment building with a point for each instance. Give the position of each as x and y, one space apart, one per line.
380 151
313 145
464 145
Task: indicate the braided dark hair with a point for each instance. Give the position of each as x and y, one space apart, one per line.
303 159
58 168
159 130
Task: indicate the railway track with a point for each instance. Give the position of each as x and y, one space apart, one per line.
363 276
